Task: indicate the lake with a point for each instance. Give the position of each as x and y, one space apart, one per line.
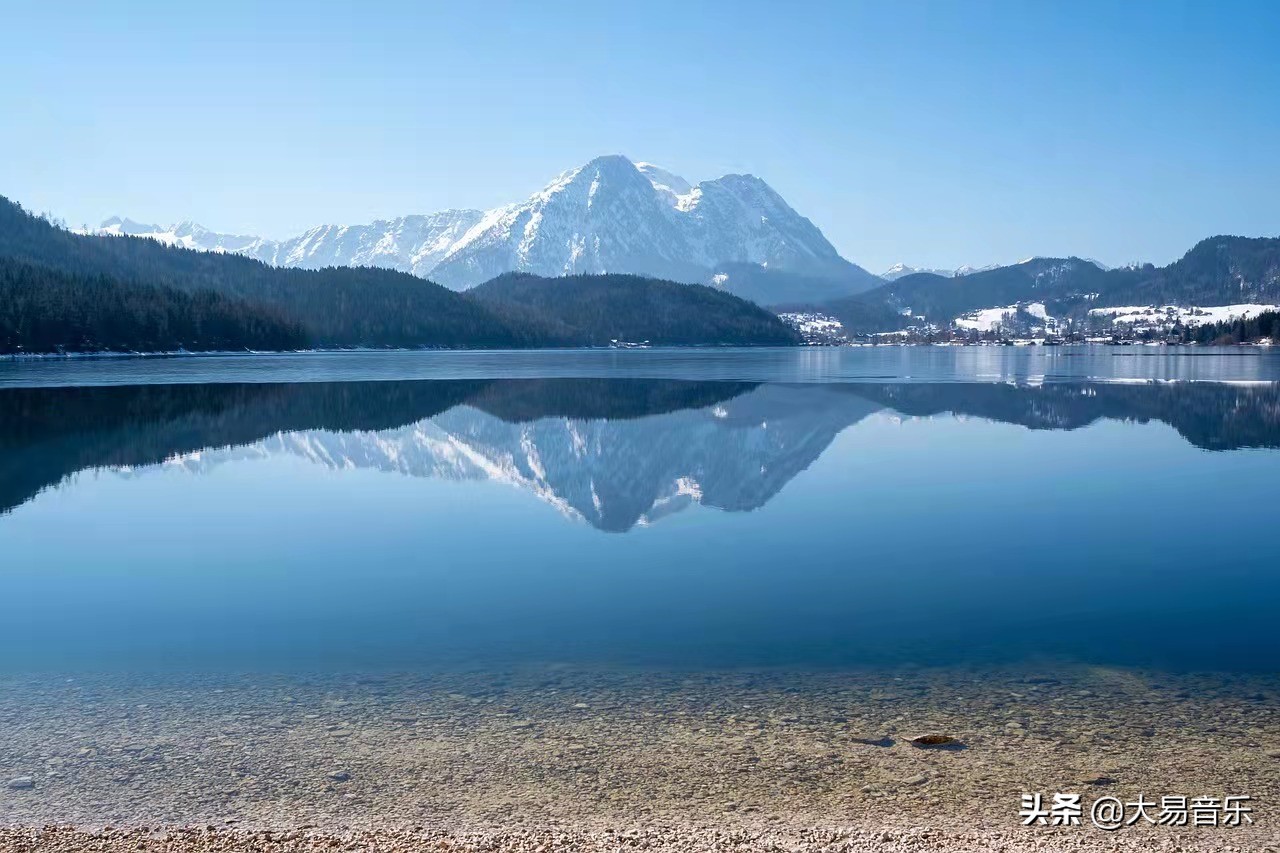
604 586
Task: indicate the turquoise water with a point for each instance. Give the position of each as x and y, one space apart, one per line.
807 509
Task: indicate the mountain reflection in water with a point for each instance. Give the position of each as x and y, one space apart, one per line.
614 452
374 525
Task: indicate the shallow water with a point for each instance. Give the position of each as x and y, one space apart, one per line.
876 540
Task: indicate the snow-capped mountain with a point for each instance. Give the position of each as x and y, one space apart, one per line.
969 270
413 244
897 271
187 234
610 215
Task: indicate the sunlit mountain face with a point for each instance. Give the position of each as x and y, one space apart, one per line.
614 453
608 215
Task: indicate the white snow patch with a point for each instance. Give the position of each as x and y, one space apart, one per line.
990 319
1168 315
986 319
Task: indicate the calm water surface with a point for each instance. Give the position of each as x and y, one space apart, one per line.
819 364
808 509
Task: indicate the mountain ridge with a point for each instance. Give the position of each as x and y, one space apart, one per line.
258 306
609 215
1221 270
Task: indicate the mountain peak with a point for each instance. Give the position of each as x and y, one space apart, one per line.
124 225
609 215
612 161
901 270
664 180
610 167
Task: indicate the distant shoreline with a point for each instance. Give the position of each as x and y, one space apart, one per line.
74 356
1226 349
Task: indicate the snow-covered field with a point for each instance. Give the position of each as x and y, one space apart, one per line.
990 319
1136 316
1167 315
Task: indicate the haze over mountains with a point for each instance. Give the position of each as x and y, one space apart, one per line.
609 215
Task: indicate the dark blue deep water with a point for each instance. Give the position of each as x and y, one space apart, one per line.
807 509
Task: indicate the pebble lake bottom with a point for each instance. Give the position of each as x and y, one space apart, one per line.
650 600
571 757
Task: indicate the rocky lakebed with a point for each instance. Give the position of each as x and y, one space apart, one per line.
557 758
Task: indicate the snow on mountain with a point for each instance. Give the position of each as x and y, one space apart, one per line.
413 244
613 216
116 225
187 234
665 181
898 271
610 215
603 217
969 270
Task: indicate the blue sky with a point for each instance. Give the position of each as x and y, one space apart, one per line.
937 134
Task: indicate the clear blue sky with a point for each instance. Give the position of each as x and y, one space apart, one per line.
935 133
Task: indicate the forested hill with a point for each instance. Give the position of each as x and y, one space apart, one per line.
43 310
88 293
594 310
933 295
1217 271
336 307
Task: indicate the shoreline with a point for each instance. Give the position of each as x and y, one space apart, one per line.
1218 349
162 354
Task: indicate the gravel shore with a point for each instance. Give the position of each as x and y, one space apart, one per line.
556 759
660 838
